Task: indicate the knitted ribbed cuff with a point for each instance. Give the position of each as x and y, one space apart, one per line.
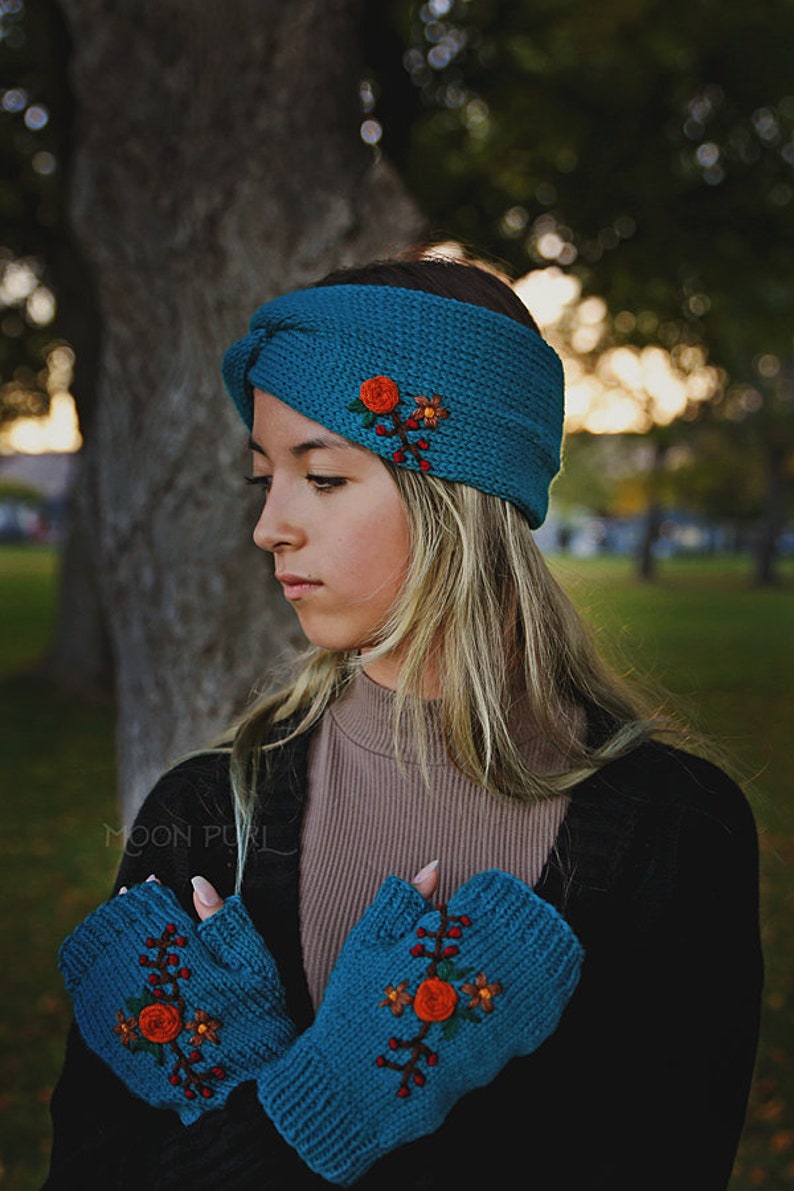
326 1126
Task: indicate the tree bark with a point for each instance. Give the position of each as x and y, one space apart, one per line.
80 660
773 517
646 556
218 164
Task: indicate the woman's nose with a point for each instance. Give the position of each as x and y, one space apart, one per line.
277 526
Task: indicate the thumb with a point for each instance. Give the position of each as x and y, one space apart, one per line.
426 880
206 898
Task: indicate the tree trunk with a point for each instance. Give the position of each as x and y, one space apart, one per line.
80 659
773 517
646 557
218 164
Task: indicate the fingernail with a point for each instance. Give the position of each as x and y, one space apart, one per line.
151 877
205 892
123 889
425 872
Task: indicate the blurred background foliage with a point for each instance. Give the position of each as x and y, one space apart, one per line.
643 149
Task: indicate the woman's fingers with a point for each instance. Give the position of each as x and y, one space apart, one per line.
151 877
426 880
208 901
206 898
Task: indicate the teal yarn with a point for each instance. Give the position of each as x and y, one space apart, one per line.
182 1013
434 384
423 1005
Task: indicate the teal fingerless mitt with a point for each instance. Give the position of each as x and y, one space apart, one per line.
181 1012
421 1007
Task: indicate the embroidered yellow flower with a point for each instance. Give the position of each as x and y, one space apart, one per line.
481 993
429 411
396 998
204 1028
126 1028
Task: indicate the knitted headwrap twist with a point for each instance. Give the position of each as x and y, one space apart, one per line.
434 384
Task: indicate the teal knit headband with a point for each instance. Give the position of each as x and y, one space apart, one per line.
433 384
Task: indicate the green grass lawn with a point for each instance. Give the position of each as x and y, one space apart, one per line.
723 650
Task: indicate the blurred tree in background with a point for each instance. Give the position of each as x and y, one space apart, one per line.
644 147
647 147
214 160
32 144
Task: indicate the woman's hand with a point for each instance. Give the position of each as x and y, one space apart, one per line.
181 1012
394 1045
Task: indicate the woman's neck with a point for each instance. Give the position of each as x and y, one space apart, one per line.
386 671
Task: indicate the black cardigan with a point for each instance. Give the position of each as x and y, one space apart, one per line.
643 1086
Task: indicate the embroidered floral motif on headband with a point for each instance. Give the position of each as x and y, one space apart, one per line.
380 398
155 1020
436 1002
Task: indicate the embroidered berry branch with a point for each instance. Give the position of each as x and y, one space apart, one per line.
436 1000
155 1020
379 398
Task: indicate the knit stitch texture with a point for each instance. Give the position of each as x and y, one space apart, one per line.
433 384
422 1006
181 1012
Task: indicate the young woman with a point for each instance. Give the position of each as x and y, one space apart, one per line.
581 1010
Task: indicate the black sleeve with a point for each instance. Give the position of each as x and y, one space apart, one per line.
645 1082
670 1032
106 1138
701 971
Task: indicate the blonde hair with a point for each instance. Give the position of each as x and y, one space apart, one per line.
479 607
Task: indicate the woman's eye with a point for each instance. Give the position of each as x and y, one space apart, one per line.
262 482
326 483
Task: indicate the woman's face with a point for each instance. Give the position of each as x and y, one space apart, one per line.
335 524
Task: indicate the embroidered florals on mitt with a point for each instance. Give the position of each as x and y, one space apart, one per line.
182 1013
422 1006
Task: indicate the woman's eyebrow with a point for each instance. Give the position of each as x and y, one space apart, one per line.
321 442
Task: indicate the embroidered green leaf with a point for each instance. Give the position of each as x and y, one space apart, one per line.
153 1048
448 971
450 1027
135 1004
357 406
369 420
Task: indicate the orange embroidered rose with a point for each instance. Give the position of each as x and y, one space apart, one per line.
435 1000
380 394
159 1023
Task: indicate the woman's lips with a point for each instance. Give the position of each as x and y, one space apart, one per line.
296 586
